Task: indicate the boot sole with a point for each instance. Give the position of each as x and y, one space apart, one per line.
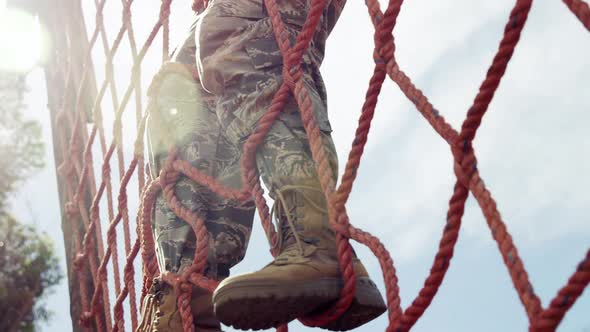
262 305
367 305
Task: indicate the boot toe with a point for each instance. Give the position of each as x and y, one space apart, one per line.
264 300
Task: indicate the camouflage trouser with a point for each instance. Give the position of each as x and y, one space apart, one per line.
181 114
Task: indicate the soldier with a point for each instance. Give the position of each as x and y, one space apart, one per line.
239 71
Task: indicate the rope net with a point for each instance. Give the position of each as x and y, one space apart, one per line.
98 251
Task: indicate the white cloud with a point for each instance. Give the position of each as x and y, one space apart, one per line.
530 136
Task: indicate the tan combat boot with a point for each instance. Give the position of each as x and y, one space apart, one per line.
303 279
159 311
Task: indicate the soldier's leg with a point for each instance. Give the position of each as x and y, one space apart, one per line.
305 276
180 116
240 62
228 222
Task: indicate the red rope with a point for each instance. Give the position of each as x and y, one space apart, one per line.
78 175
581 10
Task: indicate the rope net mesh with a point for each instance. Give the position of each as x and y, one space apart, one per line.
112 199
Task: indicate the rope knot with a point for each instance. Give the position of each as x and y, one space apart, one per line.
138 149
71 210
465 164
463 177
341 227
66 169
109 70
127 13
165 10
99 17
199 5
204 282
136 71
289 76
79 262
168 175
86 319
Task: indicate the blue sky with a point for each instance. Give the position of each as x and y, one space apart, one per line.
532 150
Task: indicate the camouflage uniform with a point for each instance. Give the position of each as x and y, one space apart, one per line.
239 60
181 114
240 67
239 72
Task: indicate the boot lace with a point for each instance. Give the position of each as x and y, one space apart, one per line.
280 206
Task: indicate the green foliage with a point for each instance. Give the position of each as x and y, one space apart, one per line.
21 147
28 268
28 265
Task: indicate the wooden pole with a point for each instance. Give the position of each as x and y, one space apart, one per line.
68 39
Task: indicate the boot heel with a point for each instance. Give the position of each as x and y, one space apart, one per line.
367 305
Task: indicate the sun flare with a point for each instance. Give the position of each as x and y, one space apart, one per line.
21 40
